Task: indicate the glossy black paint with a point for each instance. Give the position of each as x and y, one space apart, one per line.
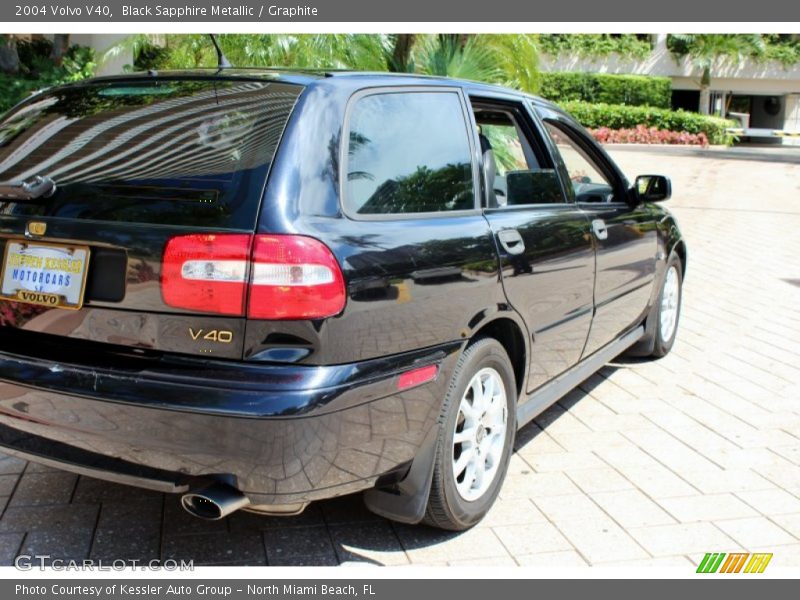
299 410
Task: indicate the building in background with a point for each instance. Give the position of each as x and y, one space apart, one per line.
761 95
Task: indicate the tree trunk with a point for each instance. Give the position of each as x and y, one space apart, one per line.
401 54
705 92
9 58
705 100
60 47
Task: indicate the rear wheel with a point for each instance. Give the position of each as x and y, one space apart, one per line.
476 432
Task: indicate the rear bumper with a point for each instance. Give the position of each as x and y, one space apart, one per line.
280 434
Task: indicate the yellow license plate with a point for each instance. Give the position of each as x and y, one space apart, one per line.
46 274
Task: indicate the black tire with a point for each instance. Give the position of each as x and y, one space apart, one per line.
662 346
447 508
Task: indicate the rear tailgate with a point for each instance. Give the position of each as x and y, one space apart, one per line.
135 163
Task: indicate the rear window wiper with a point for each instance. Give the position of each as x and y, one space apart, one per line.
32 189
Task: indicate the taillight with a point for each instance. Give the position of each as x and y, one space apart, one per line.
288 276
206 272
294 277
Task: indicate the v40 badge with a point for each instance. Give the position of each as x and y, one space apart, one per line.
222 336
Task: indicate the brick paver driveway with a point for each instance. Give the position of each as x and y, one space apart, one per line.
646 463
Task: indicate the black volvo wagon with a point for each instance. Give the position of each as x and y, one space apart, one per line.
257 289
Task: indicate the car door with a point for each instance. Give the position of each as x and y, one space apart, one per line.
543 239
624 235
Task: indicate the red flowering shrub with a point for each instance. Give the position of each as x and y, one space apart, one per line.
648 135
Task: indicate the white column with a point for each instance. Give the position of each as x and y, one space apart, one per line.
791 119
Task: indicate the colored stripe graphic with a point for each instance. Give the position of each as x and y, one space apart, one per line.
758 562
713 562
710 562
734 563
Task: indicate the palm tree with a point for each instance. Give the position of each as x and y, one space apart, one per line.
452 56
517 57
705 50
402 45
508 59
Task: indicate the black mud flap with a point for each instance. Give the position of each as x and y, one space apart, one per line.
407 500
646 345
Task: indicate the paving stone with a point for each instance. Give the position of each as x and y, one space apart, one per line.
599 480
493 561
512 511
657 481
370 543
531 539
49 518
9 547
790 523
684 538
632 508
564 558
285 544
63 544
669 562
317 560
562 461
601 540
240 548
11 465
8 483
425 544
772 502
717 481
130 530
54 487
707 507
754 532
570 506
536 485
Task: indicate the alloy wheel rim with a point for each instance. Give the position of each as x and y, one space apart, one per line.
670 300
480 434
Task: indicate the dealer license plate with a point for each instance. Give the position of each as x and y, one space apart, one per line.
51 275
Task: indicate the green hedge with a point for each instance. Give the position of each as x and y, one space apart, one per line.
595 44
634 90
617 116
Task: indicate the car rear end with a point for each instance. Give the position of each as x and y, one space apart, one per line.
132 265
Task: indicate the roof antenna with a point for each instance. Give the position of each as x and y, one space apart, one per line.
222 62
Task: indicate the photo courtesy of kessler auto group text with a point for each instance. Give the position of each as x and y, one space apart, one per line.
486 296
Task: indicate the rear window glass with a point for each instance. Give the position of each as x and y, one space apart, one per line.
408 152
188 152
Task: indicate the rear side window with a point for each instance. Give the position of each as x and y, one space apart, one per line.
164 151
408 152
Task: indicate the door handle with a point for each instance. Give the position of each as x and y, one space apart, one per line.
511 241
600 229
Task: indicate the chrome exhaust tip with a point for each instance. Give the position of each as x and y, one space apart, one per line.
214 502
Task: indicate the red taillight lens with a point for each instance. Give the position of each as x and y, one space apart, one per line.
288 276
294 277
206 272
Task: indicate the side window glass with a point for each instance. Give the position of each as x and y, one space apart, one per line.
512 171
587 180
408 152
